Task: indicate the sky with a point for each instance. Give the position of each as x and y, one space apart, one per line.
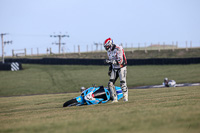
29 23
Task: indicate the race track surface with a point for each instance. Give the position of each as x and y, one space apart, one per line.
161 86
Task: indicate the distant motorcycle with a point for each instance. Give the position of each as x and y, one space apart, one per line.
169 83
93 95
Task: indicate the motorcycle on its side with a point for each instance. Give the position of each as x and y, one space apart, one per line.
170 83
93 95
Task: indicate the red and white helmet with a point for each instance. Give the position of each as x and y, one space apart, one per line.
108 44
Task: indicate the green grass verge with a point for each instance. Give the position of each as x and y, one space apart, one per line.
42 79
161 110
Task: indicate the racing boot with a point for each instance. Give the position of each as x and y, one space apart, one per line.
124 90
115 99
113 93
125 96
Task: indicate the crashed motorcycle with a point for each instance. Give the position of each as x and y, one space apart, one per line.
169 83
93 95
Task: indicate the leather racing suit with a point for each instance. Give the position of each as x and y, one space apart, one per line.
117 69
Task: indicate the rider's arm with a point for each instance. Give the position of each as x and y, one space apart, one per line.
120 52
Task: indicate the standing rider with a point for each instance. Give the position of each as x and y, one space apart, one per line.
118 62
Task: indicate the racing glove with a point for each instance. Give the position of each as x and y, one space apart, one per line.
114 62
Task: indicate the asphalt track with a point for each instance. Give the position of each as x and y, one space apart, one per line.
162 86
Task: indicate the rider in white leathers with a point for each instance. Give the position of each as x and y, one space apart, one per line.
169 83
118 62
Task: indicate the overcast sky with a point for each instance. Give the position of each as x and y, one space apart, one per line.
31 22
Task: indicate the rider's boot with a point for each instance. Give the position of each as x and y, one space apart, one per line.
113 93
125 96
124 90
115 100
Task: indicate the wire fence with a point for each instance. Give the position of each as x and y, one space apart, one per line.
98 47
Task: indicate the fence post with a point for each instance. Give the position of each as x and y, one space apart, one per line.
132 47
37 51
96 46
79 50
173 46
47 51
13 53
176 44
25 51
138 46
186 46
50 51
145 47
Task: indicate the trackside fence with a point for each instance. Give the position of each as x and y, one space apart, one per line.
64 61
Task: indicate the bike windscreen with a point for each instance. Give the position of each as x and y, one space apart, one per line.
100 93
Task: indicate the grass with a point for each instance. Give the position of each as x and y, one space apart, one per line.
161 110
43 79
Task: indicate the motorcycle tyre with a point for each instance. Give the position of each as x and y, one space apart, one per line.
72 102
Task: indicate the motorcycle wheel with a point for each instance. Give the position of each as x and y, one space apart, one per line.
72 102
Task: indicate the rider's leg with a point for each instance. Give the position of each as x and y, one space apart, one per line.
123 85
111 86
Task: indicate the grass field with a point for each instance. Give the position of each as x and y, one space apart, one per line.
161 110
43 79
166 110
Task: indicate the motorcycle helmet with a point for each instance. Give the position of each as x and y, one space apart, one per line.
82 89
165 79
108 44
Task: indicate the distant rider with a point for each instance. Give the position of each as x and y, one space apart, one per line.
169 83
83 88
118 68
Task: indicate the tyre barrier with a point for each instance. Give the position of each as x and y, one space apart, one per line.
65 61
13 66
